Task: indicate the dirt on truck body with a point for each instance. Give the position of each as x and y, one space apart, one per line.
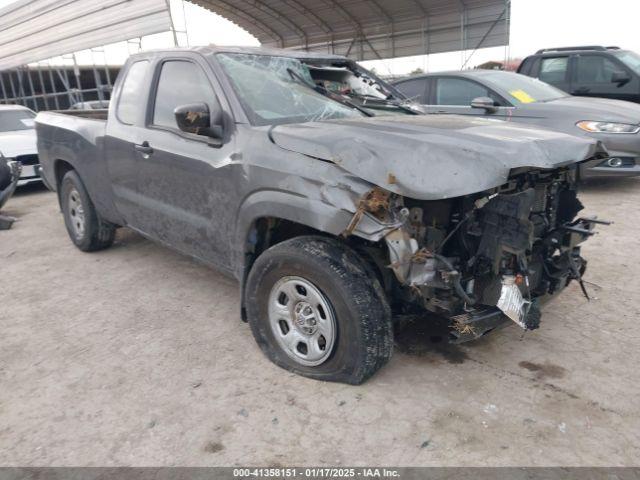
334 216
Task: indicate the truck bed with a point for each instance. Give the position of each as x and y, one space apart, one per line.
98 114
75 137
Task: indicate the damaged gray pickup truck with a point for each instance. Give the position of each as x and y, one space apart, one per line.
334 218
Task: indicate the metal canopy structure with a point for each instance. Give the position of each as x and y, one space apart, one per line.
34 30
371 29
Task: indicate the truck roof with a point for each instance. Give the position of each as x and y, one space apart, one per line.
596 48
475 73
275 52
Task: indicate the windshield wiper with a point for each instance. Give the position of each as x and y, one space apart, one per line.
387 101
327 93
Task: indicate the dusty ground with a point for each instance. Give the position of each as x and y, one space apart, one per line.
137 356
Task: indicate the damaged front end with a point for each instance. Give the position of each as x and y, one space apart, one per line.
484 258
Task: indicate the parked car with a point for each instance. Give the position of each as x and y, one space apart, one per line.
606 72
9 176
517 98
90 105
18 140
331 218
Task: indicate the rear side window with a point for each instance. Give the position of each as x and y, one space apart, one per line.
529 66
455 91
131 96
553 70
181 83
413 89
595 69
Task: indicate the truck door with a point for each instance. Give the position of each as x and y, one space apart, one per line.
186 188
596 75
124 129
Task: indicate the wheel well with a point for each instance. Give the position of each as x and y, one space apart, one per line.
60 169
266 232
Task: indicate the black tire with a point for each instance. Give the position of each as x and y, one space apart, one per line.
97 234
364 332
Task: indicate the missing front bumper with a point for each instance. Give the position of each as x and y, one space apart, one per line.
473 325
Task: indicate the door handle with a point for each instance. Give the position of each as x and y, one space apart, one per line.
144 148
581 91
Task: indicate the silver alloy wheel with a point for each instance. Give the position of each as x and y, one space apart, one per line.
302 321
76 213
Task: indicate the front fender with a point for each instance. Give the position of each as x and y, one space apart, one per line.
306 211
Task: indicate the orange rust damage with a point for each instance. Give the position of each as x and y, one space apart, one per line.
375 201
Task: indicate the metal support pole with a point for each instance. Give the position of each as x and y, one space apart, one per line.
13 87
76 72
507 48
96 78
21 91
98 83
53 87
186 27
488 32
173 26
33 92
65 83
43 89
4 90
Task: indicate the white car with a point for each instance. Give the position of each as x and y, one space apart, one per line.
18 140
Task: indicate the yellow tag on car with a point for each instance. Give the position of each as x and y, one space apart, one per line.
522 96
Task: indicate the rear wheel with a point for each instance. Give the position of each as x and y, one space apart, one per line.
315 309
85 227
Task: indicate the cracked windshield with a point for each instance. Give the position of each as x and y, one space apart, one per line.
277 90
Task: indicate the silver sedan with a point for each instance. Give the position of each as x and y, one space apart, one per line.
518 98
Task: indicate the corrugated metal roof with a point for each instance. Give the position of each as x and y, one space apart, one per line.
34 30
371 29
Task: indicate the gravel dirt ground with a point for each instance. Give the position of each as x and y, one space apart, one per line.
137 356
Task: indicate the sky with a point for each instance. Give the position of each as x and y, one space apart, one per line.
535 24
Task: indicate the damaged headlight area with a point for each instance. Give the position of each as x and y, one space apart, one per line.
480 259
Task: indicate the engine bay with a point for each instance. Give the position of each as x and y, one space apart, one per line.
493 255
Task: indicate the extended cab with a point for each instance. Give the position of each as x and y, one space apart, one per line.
333 218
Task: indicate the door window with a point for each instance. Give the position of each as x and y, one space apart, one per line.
595 69
131 95
458 92
554 70
181 83
413 89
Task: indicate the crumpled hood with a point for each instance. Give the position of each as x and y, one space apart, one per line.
433 157
596 109
19 142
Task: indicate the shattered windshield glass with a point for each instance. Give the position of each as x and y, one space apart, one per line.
271 94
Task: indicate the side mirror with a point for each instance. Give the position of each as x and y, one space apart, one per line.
198 120
620 77
484 103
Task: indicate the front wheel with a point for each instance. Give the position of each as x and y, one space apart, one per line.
86 229
315 310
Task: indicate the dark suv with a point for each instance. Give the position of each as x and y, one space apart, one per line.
607 72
